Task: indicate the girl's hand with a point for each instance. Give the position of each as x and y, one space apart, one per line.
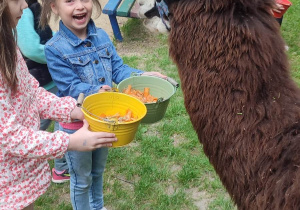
278 8
104 88
77 114
86 140
154 73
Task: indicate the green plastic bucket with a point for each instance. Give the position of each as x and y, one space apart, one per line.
160 88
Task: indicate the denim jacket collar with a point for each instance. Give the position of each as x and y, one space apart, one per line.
72 38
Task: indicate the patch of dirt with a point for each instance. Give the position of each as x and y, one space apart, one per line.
144 45
200 198
64 194
170 190
175 169
178 140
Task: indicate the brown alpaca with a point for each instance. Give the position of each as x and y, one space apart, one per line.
240 97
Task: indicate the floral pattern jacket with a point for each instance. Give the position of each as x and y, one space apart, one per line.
24 150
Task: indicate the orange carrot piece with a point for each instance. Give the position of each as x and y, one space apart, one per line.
128 115
102 115
144 96
128 89
117 115
146 92
139 93
149 99
133 92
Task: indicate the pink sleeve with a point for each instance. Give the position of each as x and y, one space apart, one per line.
19 140
19 119
52 107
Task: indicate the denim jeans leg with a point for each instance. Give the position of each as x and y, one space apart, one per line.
44 124
60 164
96 190
86 182
80 168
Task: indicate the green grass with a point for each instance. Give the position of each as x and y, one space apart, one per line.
291 33
165 167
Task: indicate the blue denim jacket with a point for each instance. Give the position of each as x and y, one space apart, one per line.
84 66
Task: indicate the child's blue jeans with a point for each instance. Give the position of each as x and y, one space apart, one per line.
86 182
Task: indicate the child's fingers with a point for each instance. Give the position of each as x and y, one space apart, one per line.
104 88
279 7
106 139
103 145
104 135
105 142
157 74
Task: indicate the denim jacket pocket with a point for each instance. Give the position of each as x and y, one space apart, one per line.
105 55
83 67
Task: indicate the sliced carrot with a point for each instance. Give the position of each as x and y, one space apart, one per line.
120 118
117 115
102 115
139 93
128 89
128 115
149 99
146 92
133 92
144 96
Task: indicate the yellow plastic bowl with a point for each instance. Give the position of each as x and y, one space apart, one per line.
111 103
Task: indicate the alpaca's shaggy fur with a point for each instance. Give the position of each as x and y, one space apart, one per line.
240 97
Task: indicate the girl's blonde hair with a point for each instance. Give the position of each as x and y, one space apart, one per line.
47 12
8 46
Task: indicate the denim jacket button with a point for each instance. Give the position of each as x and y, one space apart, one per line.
96 61
102 79
88 44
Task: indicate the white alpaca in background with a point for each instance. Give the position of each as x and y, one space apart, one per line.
154 24
144 6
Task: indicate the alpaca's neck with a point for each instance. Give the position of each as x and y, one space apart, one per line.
237 88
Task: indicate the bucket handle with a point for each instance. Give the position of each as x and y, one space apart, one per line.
159 100
80 99
79 104
112 124
173 82
169 79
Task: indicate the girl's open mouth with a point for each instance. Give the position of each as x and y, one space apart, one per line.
80 17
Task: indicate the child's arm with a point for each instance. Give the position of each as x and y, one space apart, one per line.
28 38
19 138
52 107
